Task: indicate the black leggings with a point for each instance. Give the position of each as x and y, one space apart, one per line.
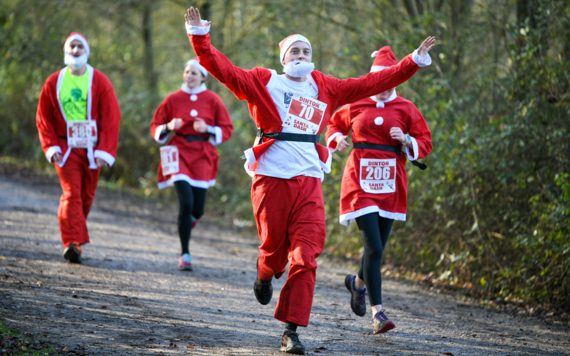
374 230
192 201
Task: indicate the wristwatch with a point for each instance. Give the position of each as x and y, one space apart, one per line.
408 139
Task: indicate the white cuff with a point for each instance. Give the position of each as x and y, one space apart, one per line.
216 131
194 30
105 157
157 133
331 138
51 151
415 148
421 63
326 166
249 157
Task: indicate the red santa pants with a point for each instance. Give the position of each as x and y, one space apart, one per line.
290 216
78 183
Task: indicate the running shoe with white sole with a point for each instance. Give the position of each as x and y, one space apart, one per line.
185 263
381 323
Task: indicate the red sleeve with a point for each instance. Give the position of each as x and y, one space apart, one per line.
339 123
419 130
349 90
223 120
241 82
161 116
109 114
45 118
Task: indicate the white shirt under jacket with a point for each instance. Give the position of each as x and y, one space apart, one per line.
288 159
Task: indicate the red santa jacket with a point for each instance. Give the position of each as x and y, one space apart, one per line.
371 124
102 106
198 163
251 85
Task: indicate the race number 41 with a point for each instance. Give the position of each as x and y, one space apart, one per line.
378 176
305 115
169 160
82 134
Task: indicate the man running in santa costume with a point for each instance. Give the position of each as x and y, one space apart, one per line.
78 123
287 163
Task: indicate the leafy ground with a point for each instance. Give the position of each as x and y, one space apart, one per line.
127 298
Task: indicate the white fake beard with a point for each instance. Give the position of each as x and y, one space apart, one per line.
75 63
298 69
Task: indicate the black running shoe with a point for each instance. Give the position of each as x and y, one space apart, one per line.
72 253
263 290
290 343
357 298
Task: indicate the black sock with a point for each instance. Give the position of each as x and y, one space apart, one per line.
291 326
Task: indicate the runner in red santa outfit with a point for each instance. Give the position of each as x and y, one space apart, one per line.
374 185
78 121
200 121
287 163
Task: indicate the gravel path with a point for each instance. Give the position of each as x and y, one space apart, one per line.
127 298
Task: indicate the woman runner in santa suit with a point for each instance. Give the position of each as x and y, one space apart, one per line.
78 121
199 121
386 129
287 163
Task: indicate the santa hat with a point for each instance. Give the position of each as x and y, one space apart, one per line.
383 58
194 63
288 41
78 36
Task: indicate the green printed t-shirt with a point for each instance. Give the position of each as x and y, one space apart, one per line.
73 96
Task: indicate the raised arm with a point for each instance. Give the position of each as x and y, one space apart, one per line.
352 89
237 80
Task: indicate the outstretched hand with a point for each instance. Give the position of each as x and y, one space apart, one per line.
426 45
193 18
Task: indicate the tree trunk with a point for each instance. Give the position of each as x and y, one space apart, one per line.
151 77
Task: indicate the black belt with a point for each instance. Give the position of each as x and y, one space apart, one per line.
190 138
286 136
387 148
62 137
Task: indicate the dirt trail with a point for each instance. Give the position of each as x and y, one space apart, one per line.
128 298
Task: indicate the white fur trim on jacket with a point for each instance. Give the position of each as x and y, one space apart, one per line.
194 30
421 63
380 103
183 177
331 138
107 157
326 166
415 148
346 219
157 135
216 132
198 90
90 71
51 151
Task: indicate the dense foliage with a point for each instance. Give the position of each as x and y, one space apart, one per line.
492 209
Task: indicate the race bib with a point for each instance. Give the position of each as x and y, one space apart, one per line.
82 134
169 160
305 115
378 176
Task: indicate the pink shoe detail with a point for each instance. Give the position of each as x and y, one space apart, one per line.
184 265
